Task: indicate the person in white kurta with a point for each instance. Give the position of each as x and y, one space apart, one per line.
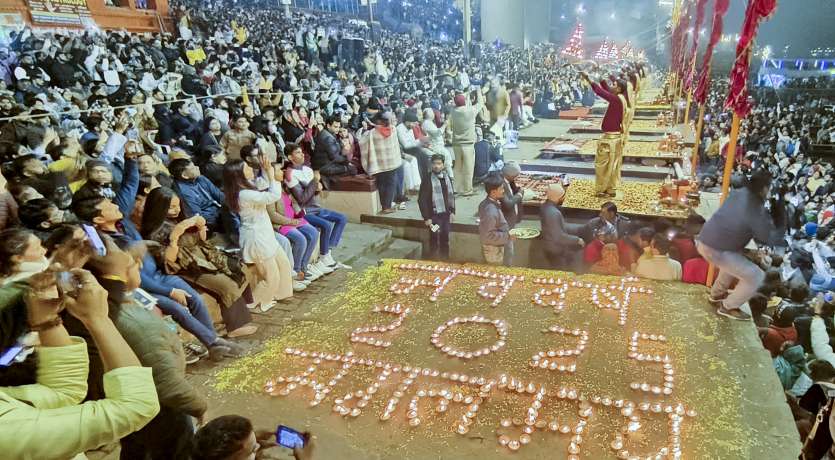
272 269
436 137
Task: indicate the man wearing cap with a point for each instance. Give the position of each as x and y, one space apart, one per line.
511 203
609 155
563 249
462 123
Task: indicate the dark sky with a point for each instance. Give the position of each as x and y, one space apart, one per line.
803 24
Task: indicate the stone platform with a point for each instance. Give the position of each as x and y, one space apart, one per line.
385 400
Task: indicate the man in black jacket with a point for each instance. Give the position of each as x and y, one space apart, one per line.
436 200
742 217
608 216
327 157
186 128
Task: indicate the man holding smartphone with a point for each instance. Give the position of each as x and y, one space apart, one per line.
232 437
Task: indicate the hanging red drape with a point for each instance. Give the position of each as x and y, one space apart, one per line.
682 55
720 7
678 41
675 39
690 63
738 93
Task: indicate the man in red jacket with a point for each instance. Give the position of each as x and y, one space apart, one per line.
609 156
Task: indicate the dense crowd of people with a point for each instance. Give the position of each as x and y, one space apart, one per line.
786 194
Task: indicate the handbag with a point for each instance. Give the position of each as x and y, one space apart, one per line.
811 449
819 440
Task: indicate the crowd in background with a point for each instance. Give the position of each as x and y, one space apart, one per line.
790 278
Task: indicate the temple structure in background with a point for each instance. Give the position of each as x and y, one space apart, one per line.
132 15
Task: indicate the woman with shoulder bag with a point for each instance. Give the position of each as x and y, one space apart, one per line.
184 251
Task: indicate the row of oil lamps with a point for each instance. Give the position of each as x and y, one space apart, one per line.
353 403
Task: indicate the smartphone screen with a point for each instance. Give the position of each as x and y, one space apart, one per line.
95 240
10 354
145 300
289 437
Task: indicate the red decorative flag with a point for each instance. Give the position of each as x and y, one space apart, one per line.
679 41
691 63
738 91
720 7
674 44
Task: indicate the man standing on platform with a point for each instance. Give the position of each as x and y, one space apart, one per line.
609 156
462 124
632 102
436 201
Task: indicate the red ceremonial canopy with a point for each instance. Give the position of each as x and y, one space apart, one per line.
679 40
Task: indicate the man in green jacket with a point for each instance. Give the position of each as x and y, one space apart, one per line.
47 420
169 434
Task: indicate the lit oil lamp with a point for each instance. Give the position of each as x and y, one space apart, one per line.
499 325
357 335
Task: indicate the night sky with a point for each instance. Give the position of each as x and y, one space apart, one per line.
803 24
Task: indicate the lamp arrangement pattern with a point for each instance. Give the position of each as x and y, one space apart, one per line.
574 47
358 335
501 330
551 359
430 391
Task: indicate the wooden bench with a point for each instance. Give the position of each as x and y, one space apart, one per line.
352 196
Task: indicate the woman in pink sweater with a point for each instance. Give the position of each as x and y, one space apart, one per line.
288 219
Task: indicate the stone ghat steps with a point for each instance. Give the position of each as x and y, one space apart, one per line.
364 245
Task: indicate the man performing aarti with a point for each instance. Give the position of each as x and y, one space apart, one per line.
609 156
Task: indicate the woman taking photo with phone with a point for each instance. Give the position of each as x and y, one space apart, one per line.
271 278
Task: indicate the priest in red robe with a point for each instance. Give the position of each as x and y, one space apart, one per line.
609 156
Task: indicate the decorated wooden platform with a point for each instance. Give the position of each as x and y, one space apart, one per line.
588 147
634 198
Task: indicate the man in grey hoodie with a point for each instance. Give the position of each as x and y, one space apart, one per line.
741 217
